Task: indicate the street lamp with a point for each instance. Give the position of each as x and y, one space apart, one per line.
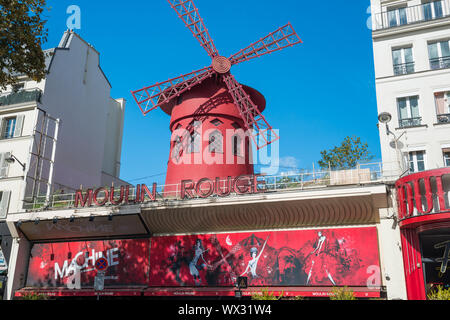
385 118
13 159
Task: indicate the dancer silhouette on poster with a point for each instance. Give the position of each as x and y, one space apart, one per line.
193 265
253 263
319 254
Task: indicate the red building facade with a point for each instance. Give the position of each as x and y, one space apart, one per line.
424 218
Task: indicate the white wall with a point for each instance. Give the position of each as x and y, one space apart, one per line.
78 93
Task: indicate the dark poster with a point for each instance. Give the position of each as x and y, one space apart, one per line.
324 257
71 264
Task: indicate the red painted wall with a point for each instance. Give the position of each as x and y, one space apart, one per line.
205 103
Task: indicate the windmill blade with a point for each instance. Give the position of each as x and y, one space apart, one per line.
150 98
188 12
263 134
279 39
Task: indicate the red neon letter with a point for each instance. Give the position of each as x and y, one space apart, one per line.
86 200
145 191
105 199
187 190
199 191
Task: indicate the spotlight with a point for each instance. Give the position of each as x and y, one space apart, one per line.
110 217
72 219
91 218
19 223
36 222
55 220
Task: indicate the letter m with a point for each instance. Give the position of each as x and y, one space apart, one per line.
61 273
87 199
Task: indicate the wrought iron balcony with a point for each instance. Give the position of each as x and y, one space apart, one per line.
404 68
20 97
413 14
444 118
410 122
440 63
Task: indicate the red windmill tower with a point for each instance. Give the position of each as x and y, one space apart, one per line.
210 110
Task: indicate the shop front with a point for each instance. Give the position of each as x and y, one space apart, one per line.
424 218
298 243
295 263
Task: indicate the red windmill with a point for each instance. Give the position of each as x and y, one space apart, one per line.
211 100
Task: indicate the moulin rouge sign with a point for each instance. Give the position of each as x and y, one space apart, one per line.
188 189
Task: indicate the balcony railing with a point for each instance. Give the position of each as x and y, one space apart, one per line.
368 173
21 97
405 68
443 118
413 14
440 63
410 122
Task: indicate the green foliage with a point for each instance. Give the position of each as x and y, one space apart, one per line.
346 156
342 294
439 294
34 296
266 295
21 35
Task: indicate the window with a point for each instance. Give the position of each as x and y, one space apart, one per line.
397 17
403 61
4 165
417 161
177 145
237 145
194 146
216 142
216 122
446 154
432 10
408 110
439 53
4 203
11 127
442 100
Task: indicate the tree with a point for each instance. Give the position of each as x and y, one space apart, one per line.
21 35
347 155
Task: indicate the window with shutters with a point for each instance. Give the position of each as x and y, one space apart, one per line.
4 203
4 165
11 127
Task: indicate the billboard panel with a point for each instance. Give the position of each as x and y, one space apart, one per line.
72 264
326 257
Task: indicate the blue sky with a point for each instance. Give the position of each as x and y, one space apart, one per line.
317 93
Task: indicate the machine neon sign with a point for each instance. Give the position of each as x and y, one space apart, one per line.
189 189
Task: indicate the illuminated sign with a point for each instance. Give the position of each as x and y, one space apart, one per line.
189 189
